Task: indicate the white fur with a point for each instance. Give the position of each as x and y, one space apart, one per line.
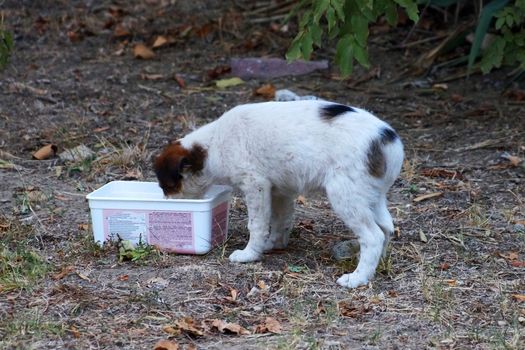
276 150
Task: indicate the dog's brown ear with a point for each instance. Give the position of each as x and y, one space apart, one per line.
196 158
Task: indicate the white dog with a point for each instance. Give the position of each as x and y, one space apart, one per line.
276 150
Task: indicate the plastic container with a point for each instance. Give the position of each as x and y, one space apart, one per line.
137 211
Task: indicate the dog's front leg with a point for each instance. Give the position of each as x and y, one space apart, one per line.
257 193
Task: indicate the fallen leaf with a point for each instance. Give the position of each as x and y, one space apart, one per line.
301 200
444 266
451 282
143 52
74 331
270 325
189 325
160 41
267 91
516 95
230 327
218 71
347 309
226 83
151 76
83 227
514 160
262 285
518 263
442 87
171 330
4 164
120 31
422 237
102 128
63 273
437 172
180 81
456 98
77 154
509 256
166 345
519 297
45 152
428 196
123 277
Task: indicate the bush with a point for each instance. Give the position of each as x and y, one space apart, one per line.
347 21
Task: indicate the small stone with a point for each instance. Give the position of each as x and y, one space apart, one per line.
518 228
345 250
77 154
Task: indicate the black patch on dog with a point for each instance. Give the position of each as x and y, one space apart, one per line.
331 111
375 156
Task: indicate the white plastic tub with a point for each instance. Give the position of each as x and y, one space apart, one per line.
137 211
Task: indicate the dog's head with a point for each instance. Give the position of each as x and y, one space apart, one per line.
177 168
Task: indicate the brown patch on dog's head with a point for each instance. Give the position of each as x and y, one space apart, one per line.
173 162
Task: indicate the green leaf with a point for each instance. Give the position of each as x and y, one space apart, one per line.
499 23
320 8
493 56
361 55
360 29
338 6
344 56
330 18
307 45
391 13
317 34
481 29
410 7
294 52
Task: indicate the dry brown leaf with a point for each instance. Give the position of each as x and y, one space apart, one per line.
509 256
438 172
171 330
428 196
123 277
74 331
143 52
102 128
273 326
518 263
166 345
160 41
45 152
151 76
519 297
267 91
83 227
218 71
180 81
230 327
120 31
63 273
189 325
347 309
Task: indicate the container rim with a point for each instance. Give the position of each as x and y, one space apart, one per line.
93 196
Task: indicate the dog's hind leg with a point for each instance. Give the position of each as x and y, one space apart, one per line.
383 218
356 212
281 221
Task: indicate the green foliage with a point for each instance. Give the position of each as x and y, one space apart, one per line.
134 253
6 45
346 20
509 45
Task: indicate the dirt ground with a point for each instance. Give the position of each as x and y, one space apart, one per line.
455 275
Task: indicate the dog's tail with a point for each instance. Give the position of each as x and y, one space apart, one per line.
385 156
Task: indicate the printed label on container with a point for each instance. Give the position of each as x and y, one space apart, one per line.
172 231
219 223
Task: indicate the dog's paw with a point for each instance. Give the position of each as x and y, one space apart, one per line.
352 280
244 256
